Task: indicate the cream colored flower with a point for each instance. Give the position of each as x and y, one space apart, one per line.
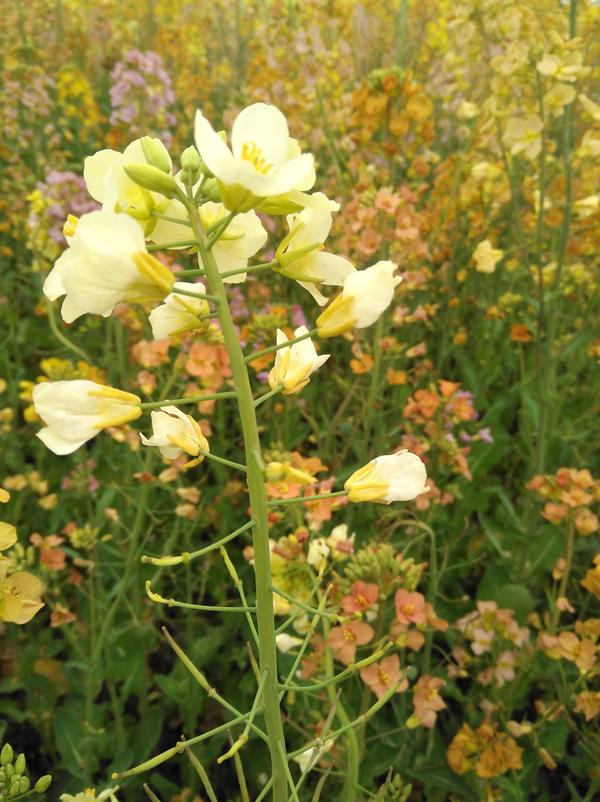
285 642
301 256
568 68
308 759
175 433
263 160
318 552
557 97
75 411
366 294
295 364
89 795
486 257
108 183
590 145
467 110
593 109
106 264
20 595
243 237
393 477
524 136
179 313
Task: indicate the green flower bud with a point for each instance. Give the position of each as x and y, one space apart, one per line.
42 784
156 154
9 770
14 788
2 777
6 755
20 764
149 177
192 163
24 785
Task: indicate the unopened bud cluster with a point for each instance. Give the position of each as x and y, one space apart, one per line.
14 782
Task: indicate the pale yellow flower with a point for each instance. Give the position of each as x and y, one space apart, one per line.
557 97
20 595
175 433
366 294
486 257
75 411
295 364
524 136
392 477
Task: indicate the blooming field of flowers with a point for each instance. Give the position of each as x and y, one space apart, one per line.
298 401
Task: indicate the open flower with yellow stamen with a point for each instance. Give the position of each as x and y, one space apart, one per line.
75 411
302 257
392 477
175 433
179 313
263 160
295 364
366 294
107 263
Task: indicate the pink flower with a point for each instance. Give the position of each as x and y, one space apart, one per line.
380 677
363 595
410 607
344 639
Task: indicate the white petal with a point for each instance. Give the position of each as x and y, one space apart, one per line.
265 127
53 286
215 153
60 445
95 170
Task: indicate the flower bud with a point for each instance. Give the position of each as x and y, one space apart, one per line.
9 770
156 153
20 764
14 789
191 163
42 784
150 177
6 755
24 785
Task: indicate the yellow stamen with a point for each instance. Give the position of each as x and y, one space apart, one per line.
153 270
253 154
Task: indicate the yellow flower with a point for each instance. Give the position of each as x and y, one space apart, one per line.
486 257
179 313
20 595
568 68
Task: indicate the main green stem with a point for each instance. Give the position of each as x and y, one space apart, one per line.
258 502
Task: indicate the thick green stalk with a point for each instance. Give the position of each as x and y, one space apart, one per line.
258 502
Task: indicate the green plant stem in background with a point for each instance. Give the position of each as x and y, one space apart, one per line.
258 503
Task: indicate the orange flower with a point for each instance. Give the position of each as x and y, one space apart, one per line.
380 677
344 639
588 703
519 333
591 580
586 522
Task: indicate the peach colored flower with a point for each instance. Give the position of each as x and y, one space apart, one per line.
344 639
362 596
381 676
410 607
427 701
